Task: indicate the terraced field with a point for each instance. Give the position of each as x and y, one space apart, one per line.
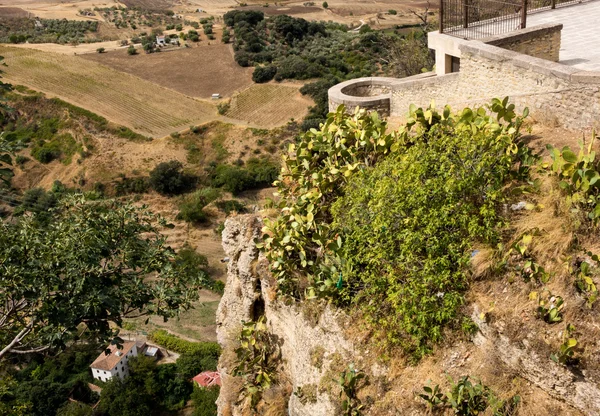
122 98
269 105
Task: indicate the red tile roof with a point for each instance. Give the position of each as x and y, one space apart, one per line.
208 379
108 362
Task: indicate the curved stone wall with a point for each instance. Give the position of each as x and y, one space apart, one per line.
373 93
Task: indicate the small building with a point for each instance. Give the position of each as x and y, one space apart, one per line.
216 96
160 41
115 363
208 379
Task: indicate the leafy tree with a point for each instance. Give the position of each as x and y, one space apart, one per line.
192 363
168 178
232 178
131 50
149 390
100 50
264 74
125 398
325 5
204 400
75 409
10 403
87 267
6 151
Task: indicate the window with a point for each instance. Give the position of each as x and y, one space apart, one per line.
105 372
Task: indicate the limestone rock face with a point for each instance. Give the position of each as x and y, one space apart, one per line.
309 347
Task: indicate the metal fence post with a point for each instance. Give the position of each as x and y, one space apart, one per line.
441 16
465 13
523 14
553 4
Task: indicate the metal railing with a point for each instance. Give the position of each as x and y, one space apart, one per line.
475 19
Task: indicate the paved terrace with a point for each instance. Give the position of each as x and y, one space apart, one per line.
580 36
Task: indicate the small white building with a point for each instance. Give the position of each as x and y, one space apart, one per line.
116 363
160 41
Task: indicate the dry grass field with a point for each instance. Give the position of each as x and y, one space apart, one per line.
350 12
197 71
122 98
269 105
59 9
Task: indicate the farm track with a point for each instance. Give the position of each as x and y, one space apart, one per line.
122 98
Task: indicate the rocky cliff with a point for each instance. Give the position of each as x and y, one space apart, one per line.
317 342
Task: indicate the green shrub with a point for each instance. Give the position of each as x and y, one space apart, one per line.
204 400
231 205
394 234
190 364
174 343
168 178
20 160
223 108
62 146
131 50
466 398
232 179
137 185
263 74
191 208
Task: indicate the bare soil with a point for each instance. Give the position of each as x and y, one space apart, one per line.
12 12
197 71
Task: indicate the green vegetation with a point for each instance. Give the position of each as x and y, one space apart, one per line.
258 173
136 16
566 354
231 205
41 385
350 382
174 343
284 47
386 222
191 209
76 281
467 399
204 400
256 359
189 364
62 146
168 178
579 176
21 30
148 390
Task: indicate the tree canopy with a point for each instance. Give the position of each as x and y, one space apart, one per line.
93 264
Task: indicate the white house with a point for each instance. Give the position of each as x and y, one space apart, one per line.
160 41
106 366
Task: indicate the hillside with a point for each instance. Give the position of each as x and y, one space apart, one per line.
358 283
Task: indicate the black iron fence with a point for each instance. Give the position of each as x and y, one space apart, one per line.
475 19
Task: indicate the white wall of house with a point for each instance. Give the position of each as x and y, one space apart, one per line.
120 370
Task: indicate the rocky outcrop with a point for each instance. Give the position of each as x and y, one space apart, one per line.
310 348
561 382
315 348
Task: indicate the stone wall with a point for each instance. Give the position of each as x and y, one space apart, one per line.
556 94
539 41
371 93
